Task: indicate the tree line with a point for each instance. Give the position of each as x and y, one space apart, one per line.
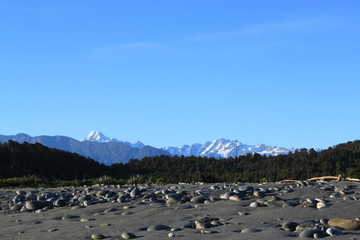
21 160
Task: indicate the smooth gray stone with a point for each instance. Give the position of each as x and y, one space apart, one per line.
16 207
121 199
60 203
20 192
48 195
198 199
216 223
255 204
250 230
310 234
305 226
110 210
66 217
243 213
30 196
97 236
226 195
157 227
175 229
18 198
202 225
189 225
128 235
248 189
324 220
289 226
35 205
135 193
176 196
290 204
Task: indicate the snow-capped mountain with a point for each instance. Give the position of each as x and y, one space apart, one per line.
219 148
96 146
110 150
95 136
223 148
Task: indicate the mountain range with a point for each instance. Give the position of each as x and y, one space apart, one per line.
111 150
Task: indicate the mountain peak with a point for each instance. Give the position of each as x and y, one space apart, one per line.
95 136
224 148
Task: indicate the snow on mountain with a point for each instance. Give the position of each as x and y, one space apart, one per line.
219 148
95 136
223 148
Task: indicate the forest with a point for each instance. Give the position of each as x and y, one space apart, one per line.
25 160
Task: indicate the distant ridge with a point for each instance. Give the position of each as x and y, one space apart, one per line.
95 136
223 148
106 152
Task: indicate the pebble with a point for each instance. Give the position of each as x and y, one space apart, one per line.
289 226
32 205
96 236
175 229
202 225
104 225
20 192
243 213
320 205
250 230
332 231
235 198
110 210
128 235
16 207
310 234
172 201
346 223
198 199
259 194
60 203
135 193
226 195
255 204
157 227
305 226
67 217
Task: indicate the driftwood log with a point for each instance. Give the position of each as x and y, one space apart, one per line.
326 178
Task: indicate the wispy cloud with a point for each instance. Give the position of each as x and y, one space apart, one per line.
296 26
121 50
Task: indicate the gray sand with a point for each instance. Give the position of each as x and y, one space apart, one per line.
264 222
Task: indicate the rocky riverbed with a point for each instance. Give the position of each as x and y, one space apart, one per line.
186 211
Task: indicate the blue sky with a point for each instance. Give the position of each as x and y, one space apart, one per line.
280 72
